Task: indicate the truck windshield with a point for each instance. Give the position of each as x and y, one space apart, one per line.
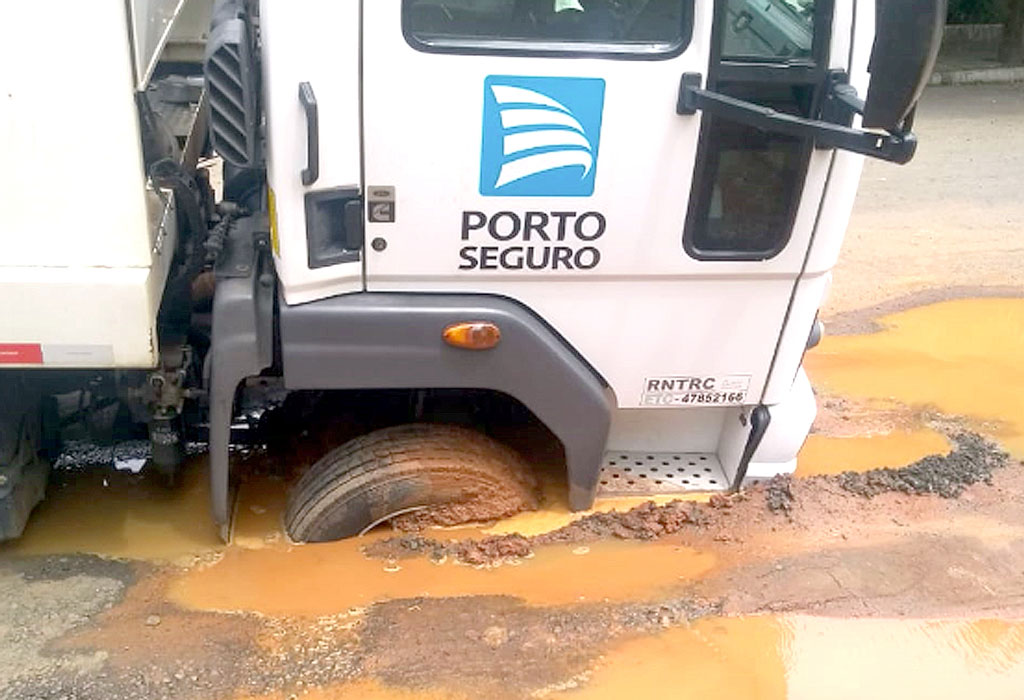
650 26
769 29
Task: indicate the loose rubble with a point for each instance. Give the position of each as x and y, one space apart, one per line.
972 461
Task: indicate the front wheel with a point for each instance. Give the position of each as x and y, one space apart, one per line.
412 475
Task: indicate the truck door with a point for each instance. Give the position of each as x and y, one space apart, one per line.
310 61
532 148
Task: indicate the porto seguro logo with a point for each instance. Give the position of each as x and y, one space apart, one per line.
540 136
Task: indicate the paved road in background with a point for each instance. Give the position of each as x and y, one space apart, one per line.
950 221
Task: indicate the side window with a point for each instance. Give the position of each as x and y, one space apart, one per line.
549 26
768 29
748 183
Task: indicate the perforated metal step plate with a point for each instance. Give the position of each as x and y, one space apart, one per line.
659 473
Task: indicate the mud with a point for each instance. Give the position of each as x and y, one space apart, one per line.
490 644
842 417
644 522
835 555
817 601
972 461
485 502
125 636
148 648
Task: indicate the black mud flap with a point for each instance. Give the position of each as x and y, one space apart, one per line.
23 473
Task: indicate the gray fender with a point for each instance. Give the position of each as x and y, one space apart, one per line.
392 340
242 346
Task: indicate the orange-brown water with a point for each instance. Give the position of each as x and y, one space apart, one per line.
327 579
824 454
961 357
267 574
782 658
964 358
116 514
808 657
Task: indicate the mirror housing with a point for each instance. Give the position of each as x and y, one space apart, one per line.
908 34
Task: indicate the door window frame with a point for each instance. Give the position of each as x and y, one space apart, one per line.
554 49
808 72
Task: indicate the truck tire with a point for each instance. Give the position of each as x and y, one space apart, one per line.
412 475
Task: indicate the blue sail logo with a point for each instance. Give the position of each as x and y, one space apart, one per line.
540 136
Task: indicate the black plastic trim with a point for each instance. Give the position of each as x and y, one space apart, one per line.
563 49
760 419
311 173
796 73
232 77
334 226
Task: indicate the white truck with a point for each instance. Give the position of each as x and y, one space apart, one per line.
615 217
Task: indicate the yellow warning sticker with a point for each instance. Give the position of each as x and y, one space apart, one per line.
275 242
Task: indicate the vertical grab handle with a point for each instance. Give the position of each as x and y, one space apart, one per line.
311 172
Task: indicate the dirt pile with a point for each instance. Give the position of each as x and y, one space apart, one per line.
972 461
645 522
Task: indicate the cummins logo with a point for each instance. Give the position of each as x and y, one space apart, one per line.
540 136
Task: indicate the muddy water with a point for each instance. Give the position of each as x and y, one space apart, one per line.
265 573
117 514
776 658
326 579
961 357
809 657
336 578
826 454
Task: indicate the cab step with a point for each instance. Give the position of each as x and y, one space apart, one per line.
659 473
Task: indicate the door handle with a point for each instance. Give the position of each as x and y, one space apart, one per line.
311 172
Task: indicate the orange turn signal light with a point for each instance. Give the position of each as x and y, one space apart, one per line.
472 335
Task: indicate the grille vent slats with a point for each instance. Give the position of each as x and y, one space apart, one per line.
231 80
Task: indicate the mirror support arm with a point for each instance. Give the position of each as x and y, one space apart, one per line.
841 99
895 148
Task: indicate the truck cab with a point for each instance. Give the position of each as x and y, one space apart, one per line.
620 216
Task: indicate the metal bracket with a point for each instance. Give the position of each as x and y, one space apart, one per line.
841 100
245 239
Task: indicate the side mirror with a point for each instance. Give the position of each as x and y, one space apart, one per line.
907 38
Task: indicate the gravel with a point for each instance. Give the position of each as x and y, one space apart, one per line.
972 461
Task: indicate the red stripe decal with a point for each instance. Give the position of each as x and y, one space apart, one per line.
21 354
